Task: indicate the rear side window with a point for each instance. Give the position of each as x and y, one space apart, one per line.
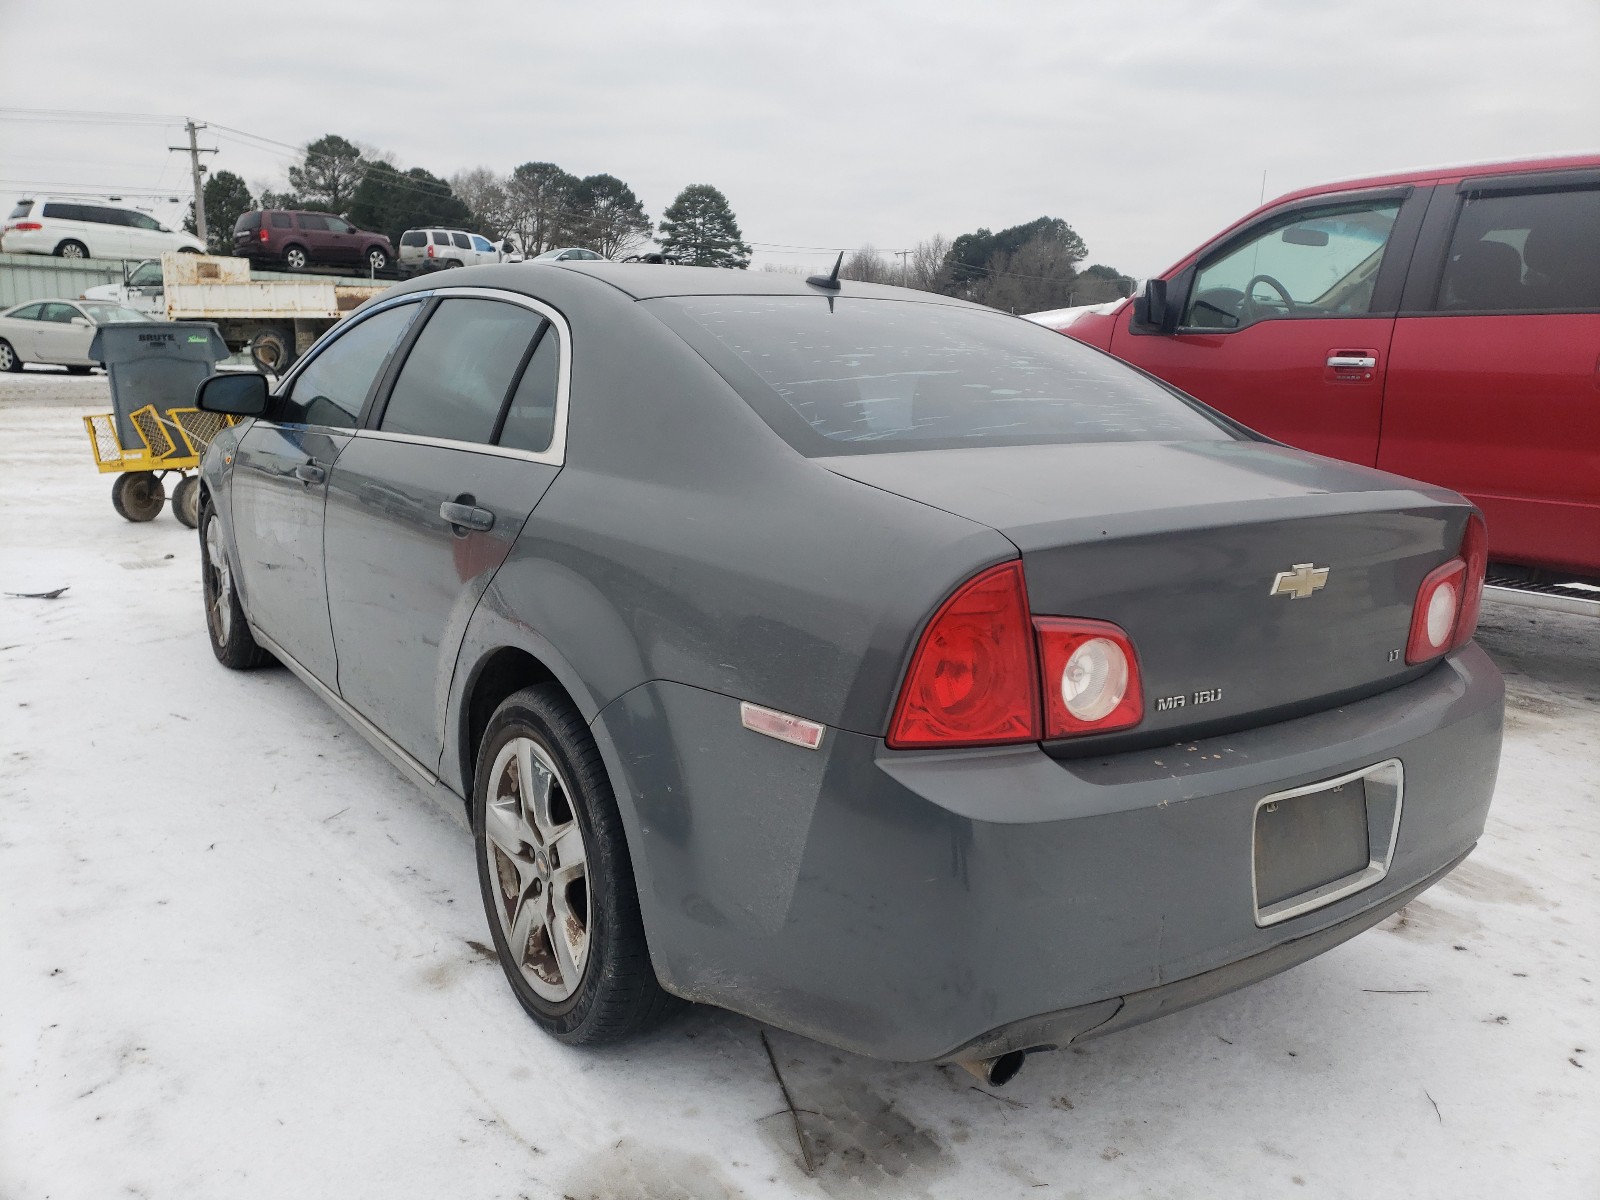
861 376
456 376
414 237
333 388
29 312
440 238
461 240
1515 253
249 223
313 223
531 420
282 221
64 212
22 209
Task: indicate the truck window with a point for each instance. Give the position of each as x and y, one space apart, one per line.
1318 262
1521 252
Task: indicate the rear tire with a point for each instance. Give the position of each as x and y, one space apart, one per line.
186 501
138 496
553 862
77 370
295 258
8 357
229 635
72 249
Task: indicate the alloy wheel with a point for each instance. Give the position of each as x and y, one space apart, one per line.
538 861
218 583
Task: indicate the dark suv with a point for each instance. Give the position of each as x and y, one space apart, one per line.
299 239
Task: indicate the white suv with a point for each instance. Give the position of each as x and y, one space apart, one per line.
433 249
89 229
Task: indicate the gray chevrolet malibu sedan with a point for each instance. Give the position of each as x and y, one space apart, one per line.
882 667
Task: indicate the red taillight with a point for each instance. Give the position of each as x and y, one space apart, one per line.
430 249
26 226
1091 677
974 678
1475 553
264 234
1446 611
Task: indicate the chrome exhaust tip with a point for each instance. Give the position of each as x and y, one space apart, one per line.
997 1071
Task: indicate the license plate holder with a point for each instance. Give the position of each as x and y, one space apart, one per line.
1317 844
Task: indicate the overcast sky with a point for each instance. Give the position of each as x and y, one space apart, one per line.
827 123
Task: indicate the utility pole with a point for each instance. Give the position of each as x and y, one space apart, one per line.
195 150
903 276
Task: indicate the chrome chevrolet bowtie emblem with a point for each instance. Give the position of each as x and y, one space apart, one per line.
1300 582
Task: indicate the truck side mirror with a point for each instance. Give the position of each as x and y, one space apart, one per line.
1151 307
236 394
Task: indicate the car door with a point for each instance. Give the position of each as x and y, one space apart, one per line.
318 241
280 485
484 248
1285 324
1494 377
425 503
343 244
63 334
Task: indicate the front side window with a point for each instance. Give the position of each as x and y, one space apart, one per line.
1313 263
482 244
145 275
61 314
1514 253
861 376
334 386
458 372
335 225
142 221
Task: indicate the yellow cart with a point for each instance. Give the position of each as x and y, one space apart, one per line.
171 445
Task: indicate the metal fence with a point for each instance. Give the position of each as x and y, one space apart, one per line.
26 277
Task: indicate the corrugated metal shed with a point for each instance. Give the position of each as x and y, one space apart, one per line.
26 277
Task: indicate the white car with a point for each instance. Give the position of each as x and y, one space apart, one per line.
143 288
569 254
71 228
56 331
435 249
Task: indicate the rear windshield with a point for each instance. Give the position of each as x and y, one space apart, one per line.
414 237
23 208
249 223
861 376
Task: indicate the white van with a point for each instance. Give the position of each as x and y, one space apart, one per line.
85 229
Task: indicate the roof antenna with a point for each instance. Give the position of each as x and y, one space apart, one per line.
830 281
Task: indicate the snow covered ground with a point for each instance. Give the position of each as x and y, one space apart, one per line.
240 956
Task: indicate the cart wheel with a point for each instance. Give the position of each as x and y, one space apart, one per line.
186 501
138 495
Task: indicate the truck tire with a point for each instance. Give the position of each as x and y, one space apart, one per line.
273 350
138 495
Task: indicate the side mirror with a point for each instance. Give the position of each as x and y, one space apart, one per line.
81 322
1152 309
236 394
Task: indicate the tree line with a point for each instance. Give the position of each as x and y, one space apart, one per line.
539 206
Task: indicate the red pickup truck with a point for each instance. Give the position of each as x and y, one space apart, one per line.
1442 324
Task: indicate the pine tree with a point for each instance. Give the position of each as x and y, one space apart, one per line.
699 228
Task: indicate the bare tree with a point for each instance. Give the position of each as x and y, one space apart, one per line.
926 267
484 192
866 265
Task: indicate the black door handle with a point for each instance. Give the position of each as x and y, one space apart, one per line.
310 473
467 516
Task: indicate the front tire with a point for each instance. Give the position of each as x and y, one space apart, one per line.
377 259
230 637
556 878
138 496
8 357
72 249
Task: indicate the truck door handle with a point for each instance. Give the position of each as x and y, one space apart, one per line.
310 473
1352 362
467 516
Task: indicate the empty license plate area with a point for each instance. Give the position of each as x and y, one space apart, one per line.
1320 843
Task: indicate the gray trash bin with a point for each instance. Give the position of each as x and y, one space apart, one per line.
155 362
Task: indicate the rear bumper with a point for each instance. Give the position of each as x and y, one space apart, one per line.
922 906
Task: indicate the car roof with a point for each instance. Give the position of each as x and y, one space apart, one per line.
1508 166
647 281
